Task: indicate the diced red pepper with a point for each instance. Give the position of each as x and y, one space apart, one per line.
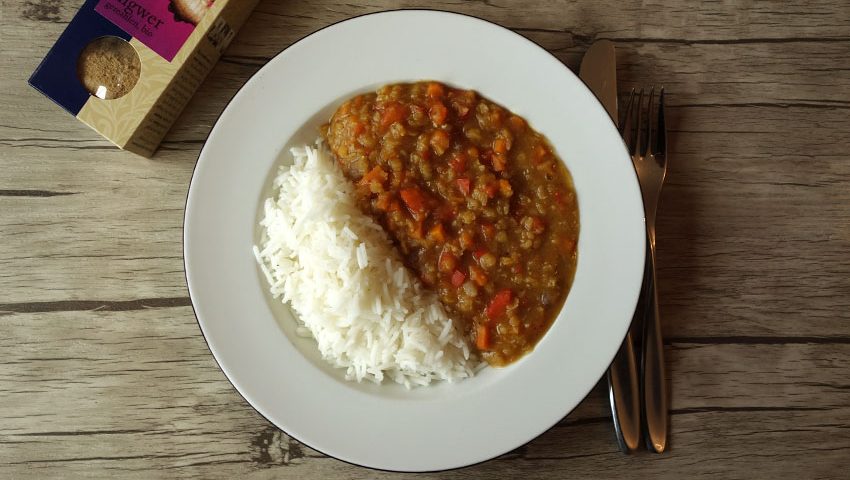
463 185
415 202
482 337
458 163
499 304
458 278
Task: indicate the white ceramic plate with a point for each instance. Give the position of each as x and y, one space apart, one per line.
252 336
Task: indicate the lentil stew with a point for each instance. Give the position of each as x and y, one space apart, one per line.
476 200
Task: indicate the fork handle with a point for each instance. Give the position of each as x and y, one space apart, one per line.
653 383
624 392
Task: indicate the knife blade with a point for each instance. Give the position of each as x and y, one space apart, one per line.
598 71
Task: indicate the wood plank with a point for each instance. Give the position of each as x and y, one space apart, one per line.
721 22
719 224
124 393
105 373
717 66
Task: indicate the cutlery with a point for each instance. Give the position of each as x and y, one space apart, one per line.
648 148
599 71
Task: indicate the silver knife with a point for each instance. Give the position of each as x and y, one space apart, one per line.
599 72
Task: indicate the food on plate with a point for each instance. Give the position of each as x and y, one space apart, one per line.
475 200
340 273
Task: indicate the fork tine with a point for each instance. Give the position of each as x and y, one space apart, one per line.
661 136
639 142
650 119
626 124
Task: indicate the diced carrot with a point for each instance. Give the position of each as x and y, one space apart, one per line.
537 225
447 261
437 233
458 278
500 146
458 162
517 123
438 113
435 90
377 174
500 161
482 337
440 142
383 202
539 152
488 231
491 189
546 166
415 202
445 213
486 157
465 239
463 185
495 118
477 275
415 229
499 304
461 109
394 112
505 188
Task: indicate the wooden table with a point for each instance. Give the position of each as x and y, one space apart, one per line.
104 372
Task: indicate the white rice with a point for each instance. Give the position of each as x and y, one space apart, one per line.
338 270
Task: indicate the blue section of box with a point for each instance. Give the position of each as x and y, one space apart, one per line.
56 76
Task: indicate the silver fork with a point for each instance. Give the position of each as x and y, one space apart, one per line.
648 147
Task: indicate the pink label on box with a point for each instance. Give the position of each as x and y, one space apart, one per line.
162 25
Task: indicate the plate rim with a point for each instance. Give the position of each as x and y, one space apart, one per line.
185 218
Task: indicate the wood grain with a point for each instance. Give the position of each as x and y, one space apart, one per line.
105 373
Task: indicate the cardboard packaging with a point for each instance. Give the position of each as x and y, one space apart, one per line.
127 68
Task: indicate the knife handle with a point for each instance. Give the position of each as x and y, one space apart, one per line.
653 383
624 393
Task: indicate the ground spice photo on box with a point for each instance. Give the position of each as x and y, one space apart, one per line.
109 67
